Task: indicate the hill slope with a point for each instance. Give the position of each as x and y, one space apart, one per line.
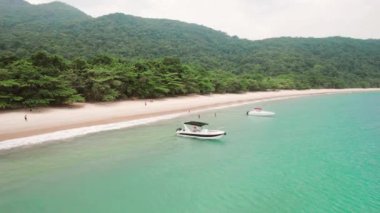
121 56
61 29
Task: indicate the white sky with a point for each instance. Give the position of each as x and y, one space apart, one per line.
254 19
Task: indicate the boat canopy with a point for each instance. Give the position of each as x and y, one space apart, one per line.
196 123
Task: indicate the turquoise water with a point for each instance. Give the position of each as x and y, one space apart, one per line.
319 154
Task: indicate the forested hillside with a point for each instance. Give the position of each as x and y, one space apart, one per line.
54 53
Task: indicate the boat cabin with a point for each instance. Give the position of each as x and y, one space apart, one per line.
195 126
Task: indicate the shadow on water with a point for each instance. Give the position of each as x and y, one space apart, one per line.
197 140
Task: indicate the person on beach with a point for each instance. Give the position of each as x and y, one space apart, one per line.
26 117
145 103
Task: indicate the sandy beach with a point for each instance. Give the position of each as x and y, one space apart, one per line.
45 120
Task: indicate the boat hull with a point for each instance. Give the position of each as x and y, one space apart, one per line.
261 113
201 136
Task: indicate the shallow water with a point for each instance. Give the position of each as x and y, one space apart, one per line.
319 154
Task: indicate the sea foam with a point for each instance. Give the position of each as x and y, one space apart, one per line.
70 133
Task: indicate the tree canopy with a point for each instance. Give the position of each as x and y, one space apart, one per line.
55 54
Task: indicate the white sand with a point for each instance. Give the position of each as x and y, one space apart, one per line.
45 120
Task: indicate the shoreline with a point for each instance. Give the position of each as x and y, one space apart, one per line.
49 124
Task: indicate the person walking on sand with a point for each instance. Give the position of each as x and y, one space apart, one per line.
26 117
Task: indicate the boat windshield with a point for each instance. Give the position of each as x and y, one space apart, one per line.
196 128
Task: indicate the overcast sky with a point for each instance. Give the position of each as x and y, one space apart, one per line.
254 19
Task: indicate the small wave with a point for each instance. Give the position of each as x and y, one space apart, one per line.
70 133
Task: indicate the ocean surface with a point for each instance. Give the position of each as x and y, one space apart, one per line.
318 154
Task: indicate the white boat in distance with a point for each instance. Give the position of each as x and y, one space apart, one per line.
194 129
258 111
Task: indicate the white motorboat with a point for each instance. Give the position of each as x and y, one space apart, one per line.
194 129
260 112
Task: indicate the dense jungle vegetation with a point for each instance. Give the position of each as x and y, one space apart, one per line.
52 54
